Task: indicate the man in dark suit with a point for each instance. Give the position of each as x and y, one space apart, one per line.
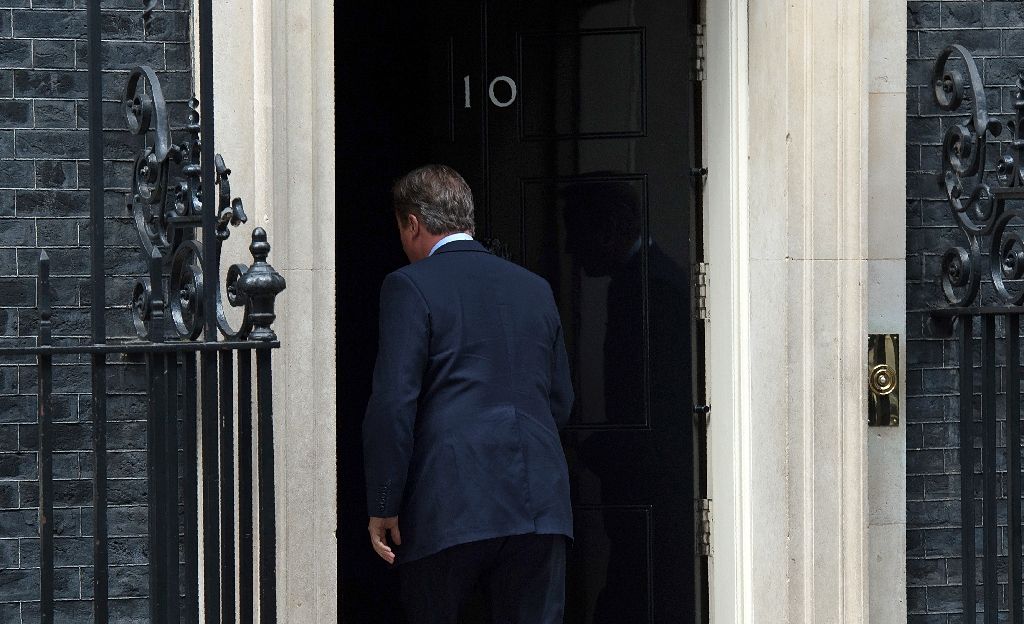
464 466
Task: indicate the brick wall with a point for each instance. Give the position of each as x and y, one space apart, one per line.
994 31
44 204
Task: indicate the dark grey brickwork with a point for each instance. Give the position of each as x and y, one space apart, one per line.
44 204
994 31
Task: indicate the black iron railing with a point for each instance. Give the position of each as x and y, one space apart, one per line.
982 404
198 364
983 282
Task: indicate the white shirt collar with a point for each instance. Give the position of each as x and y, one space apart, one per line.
447 239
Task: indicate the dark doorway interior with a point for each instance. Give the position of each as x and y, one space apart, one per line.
575 124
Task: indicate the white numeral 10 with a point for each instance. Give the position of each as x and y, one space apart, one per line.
490 92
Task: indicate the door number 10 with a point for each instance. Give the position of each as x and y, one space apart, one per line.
490 92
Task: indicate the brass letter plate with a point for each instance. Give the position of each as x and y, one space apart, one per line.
883 380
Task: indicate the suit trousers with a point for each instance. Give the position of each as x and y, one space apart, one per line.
523 577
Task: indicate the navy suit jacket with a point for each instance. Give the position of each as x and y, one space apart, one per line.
470 390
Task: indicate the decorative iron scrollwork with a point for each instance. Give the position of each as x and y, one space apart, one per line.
167 204
978 194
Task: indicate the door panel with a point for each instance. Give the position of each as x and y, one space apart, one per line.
572 122
589 186
605 66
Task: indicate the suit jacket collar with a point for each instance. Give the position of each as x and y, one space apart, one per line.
461 245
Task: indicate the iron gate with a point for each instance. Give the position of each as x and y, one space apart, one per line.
198 364
983 283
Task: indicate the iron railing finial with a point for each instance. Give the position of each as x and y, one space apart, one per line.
261 284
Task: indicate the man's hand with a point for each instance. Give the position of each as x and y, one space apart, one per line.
379 528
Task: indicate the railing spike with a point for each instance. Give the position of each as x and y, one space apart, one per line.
43 299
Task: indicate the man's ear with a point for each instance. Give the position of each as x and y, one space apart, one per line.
412 224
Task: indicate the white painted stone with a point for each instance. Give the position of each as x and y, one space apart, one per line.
887 171
728 332
769 145
276 129
887 492
888 574
887 297
770 378
888 47
887 307
307 437
789 380
234 129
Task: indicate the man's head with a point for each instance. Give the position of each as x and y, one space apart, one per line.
430 203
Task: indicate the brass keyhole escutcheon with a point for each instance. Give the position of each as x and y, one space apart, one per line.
883 379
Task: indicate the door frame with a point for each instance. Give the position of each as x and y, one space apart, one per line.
275 68
725 149
727 363
284 166
786 109
273 43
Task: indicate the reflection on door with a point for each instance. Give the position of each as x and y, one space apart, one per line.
573 123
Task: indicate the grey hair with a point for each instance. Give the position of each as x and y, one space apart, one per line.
439 198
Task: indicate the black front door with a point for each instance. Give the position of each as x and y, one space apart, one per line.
574 123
